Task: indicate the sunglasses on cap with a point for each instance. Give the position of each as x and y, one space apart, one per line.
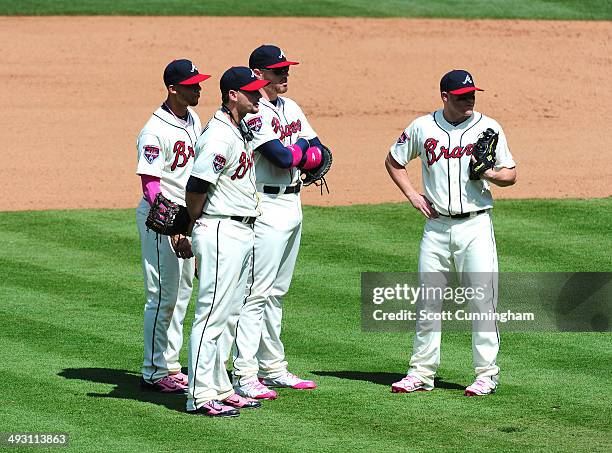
278 71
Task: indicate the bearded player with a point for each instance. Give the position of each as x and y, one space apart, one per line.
458 235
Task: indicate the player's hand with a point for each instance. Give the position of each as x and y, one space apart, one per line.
421 203
181 246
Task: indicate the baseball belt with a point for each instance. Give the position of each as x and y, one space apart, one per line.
465 215
273 190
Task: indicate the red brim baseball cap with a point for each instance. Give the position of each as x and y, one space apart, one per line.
269 57
195 79
458 81
241 78
183 72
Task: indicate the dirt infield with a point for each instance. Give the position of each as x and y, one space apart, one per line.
78 90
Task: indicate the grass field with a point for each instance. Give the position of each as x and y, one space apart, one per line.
497 9
71 321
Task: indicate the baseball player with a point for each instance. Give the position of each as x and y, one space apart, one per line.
458 234
284 142
165 157
222 202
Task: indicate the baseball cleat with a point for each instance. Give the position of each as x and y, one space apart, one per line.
240 402
215 408
180 378
289 380
410 384
164 385
481 387
255 390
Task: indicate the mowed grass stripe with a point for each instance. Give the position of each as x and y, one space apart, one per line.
497 9
84 351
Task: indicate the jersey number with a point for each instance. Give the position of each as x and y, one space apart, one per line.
180 156
243 167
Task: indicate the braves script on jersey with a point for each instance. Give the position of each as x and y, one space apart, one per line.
166 150
225 159
284 121
445 151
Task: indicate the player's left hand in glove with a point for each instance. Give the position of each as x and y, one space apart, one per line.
167 217
181 246
316 175
483 153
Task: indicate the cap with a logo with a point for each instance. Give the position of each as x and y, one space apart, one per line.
269 57
458 81
241 78
183 72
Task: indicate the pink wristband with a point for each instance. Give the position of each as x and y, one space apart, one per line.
313 158
150 187
297 154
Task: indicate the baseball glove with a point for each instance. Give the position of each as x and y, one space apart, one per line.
484 153
317 175
167 217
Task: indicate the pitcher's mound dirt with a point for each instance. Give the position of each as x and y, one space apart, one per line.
77 90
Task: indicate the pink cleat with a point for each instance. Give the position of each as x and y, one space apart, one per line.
256 390
164 385
481 387
180 378
240 402
410 384
289 380
215 408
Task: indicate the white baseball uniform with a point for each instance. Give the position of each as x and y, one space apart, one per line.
223 246
165 150
259 349
464 245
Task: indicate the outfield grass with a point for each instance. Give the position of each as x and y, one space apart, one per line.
71 321
485 9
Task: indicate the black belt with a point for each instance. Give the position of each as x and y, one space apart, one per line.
276 190
248 220
465 215
237 218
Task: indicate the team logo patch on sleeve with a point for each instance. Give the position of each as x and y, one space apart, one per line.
219 163
151 153
255 124
403 138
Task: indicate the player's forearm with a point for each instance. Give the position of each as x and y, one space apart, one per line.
284 156
195 206
400 177
503 177
150 187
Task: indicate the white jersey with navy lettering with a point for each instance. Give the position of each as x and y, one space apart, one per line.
445 151
286 122
225 159
166 150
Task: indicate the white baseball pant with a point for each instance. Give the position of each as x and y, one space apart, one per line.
259 349
168 284
466 246
224 248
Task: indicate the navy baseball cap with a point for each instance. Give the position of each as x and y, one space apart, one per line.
269 57
241 78
458 81
182 72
